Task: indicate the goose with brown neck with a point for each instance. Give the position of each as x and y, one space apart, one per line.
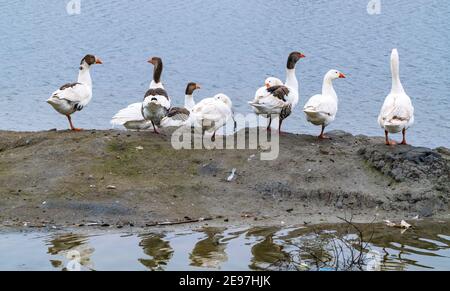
397 113
157 72
134 116
156 102
278 100
73 97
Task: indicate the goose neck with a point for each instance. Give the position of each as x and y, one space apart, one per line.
189 102
291 79
84 76
327 87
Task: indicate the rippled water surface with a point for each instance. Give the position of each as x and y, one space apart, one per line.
425 247
227 46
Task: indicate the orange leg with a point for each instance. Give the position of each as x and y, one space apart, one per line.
279 126
71 124
322 135
404 137
389 142
155 130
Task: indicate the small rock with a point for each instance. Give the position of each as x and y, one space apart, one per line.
232 175
139 148
111 187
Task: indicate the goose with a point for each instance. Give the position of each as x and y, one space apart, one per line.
131 118
262 92
321 109
397 113
155 106
73 97
279 99
177 116
211 114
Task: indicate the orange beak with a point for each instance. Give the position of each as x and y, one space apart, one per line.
267 85
98 61
150 61
197 86
302 56
342 76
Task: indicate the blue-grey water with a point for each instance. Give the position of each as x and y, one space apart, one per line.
425 247
227 46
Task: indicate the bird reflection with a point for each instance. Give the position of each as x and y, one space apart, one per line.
210 251
158 249
61 245
266 252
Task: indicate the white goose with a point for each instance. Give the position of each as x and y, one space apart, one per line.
397 113
262 92
321 109
152 110
73 97
177 116
211 114
279 100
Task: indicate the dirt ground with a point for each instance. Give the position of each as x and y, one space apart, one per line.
119 179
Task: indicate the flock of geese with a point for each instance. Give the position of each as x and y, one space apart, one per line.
274 100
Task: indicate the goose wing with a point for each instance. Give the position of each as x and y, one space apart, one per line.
74 93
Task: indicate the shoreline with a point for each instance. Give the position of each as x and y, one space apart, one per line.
133 180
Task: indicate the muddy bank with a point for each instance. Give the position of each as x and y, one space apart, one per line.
121 179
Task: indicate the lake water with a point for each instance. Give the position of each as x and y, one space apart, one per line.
425 247
228 46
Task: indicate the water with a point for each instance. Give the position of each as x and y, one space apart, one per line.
227 46
427 247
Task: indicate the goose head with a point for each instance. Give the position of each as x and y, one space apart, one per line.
272 81
155 61
293 58
191 87
334 74
224 98
158 67
88 61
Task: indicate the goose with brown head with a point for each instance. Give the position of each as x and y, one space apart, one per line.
156 102
157 70
277 99
73 97
152 109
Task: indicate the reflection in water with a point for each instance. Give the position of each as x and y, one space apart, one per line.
158 249
424 247
210 251
63 244
265 252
